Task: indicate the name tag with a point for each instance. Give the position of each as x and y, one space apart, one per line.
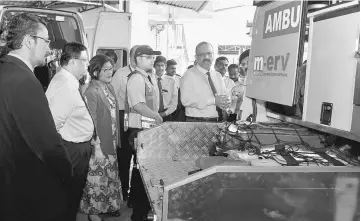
147 122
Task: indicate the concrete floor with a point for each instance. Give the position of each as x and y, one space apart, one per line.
126 213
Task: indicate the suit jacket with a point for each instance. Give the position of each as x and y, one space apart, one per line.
34 164
99 108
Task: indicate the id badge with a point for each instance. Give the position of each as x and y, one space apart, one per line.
147 122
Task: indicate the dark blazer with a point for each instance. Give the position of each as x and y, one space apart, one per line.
34 164
99 108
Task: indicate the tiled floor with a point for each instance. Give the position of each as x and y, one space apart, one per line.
126 213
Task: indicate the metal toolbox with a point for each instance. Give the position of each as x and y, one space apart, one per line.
167 153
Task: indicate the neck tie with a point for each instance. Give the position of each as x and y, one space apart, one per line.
214 90
86 105
161 102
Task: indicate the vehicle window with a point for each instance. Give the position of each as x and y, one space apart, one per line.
120 56
62 29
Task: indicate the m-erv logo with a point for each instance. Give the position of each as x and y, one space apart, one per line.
282 20
271 63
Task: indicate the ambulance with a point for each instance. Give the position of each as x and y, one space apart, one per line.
101 28
296 52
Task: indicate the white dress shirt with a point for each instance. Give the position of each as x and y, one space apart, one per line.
239 91
170 93
177 79
196 92
71 117
229 84
119 82
243 81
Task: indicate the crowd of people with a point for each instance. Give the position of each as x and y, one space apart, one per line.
70 150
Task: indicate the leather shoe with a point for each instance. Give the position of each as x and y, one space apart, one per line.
125 197
129 204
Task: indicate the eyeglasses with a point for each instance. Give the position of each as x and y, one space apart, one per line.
209 54
47 41
107 69
150 57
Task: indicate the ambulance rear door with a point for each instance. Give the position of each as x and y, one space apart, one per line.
275 51
112 35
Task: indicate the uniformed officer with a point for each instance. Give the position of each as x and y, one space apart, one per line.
141 107
124 153
168 90
171 70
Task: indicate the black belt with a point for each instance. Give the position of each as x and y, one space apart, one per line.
206 119
164 110
78 142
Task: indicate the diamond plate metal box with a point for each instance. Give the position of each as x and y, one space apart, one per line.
167 153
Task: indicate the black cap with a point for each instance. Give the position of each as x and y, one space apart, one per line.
145 50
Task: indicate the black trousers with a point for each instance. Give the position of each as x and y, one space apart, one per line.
138 196
167 118
80 154
124 154
179 114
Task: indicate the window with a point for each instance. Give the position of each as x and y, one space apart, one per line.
120 56
62 29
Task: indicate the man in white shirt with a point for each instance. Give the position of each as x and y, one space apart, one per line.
171 70
202 90
238 90
119 82
221 66
72 118
168 94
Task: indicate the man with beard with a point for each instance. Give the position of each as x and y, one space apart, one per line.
34 164
203 90
72 118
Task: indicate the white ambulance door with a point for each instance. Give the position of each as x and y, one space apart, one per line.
112 34
274 55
